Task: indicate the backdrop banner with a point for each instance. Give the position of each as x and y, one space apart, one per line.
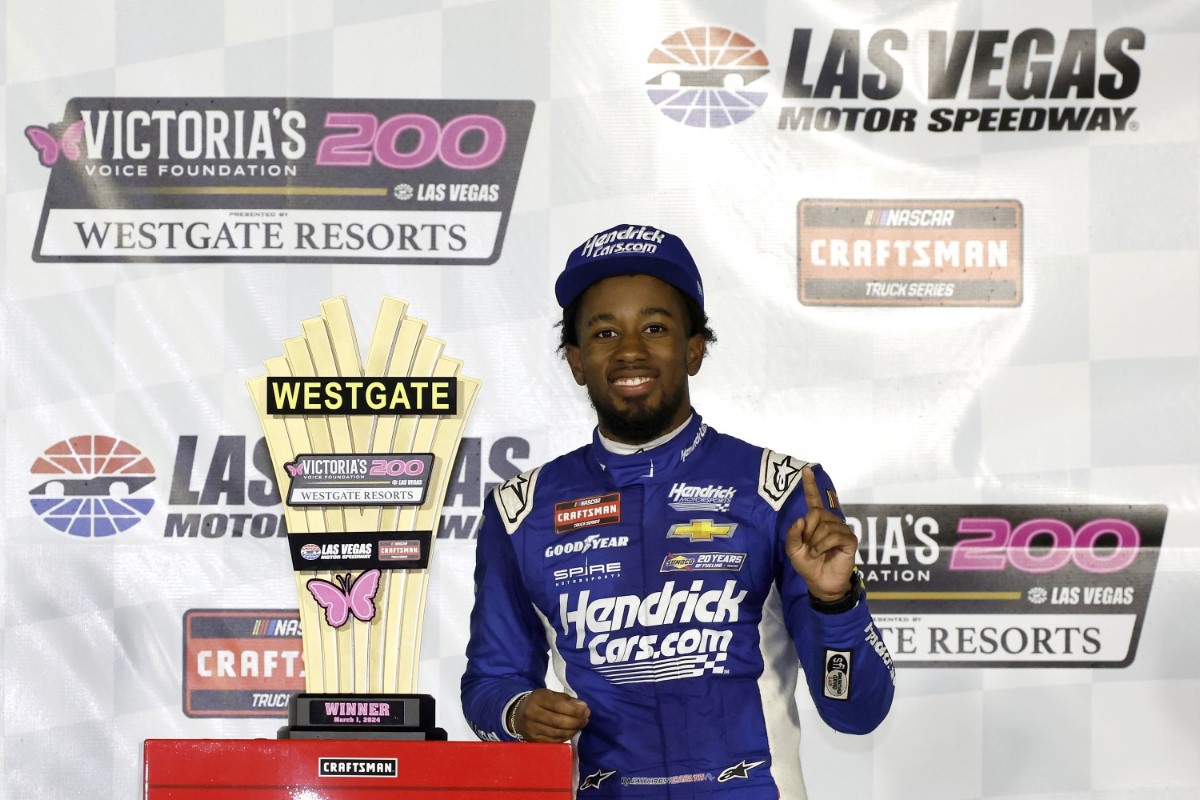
950 250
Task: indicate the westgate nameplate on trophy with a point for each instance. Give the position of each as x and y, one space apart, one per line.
363 451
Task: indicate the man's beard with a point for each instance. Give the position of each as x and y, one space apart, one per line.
638 423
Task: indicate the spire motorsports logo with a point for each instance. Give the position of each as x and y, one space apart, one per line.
704 75
88 486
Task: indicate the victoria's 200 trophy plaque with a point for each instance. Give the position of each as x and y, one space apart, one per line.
364 451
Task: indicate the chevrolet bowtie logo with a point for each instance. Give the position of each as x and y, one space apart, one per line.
701 530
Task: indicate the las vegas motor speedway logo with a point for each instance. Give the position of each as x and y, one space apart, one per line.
896 81
1009 586
88 485
703 75
280 179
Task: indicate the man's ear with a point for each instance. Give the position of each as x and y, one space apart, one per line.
695 353
575 359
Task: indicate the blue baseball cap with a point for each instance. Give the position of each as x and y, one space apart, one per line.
629 250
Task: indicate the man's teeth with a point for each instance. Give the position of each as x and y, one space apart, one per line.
631 381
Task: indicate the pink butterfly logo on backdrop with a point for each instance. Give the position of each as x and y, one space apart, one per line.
49 147
295 469
343 598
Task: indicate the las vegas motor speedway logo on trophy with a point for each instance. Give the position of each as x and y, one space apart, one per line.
365 450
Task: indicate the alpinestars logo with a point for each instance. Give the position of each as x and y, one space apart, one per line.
739 770
514 499
704 75
778 475
88 485
594 780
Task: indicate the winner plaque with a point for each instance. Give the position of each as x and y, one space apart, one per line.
365 452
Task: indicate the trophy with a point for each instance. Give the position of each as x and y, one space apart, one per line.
365 451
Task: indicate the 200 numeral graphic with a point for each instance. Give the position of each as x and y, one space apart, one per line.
1001 545
368 140
395 467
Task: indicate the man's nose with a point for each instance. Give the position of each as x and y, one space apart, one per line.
633 348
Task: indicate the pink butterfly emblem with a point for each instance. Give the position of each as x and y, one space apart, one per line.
343 598
48 147
295 469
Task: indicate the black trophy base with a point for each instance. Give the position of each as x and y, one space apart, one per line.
362 716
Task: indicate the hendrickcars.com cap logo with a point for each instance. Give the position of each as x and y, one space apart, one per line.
703 75
87 485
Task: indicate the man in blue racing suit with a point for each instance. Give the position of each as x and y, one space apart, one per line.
672 573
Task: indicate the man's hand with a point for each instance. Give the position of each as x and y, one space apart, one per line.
821 546
547 716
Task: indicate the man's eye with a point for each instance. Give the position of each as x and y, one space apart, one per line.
655 328
605 334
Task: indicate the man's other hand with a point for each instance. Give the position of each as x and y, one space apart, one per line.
547 716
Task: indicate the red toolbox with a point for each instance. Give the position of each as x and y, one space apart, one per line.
354 769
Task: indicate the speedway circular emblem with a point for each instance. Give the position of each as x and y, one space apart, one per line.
87 485
703 75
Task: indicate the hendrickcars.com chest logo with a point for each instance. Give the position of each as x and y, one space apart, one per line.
1009 586
280 179
703 77
895 81
88 486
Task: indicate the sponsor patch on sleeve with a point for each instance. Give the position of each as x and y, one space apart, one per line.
837 674
831 499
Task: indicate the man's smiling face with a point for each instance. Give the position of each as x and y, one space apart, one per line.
635 355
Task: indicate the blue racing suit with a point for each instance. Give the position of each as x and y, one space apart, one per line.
660 585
